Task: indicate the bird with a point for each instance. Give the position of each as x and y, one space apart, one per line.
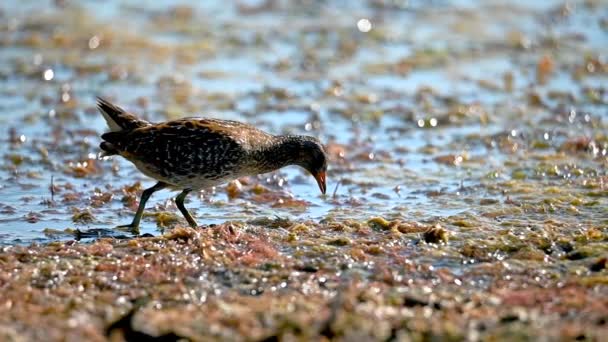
194 153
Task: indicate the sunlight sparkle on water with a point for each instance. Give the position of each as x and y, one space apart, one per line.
364 25
48 74
94 42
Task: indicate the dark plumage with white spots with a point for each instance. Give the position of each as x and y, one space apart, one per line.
194 153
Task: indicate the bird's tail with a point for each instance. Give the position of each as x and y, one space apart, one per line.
117 118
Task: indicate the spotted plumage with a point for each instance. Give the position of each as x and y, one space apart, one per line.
194 153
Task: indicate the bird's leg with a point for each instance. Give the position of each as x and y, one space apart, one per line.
134 226
179 201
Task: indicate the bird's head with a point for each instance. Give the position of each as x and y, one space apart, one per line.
312 157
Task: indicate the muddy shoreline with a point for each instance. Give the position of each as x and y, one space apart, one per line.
239 281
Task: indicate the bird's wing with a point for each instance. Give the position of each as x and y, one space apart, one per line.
183 147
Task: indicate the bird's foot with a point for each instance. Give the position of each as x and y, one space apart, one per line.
131 228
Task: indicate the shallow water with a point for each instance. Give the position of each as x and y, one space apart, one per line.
419 119
467 195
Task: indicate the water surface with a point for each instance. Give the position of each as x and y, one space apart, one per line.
441 109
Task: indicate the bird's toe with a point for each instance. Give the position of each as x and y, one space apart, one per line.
131 228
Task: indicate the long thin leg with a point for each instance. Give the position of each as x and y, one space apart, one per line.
179 201
142 205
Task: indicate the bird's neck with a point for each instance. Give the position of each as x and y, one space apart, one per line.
278 152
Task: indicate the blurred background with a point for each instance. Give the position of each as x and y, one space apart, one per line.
429 109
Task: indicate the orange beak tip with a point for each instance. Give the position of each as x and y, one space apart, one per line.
321 180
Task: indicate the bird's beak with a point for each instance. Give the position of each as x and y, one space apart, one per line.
320 177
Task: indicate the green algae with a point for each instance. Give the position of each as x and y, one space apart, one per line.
379 223
82 216
340 241
164 219
436 235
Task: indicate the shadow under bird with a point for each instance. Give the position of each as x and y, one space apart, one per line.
194 153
